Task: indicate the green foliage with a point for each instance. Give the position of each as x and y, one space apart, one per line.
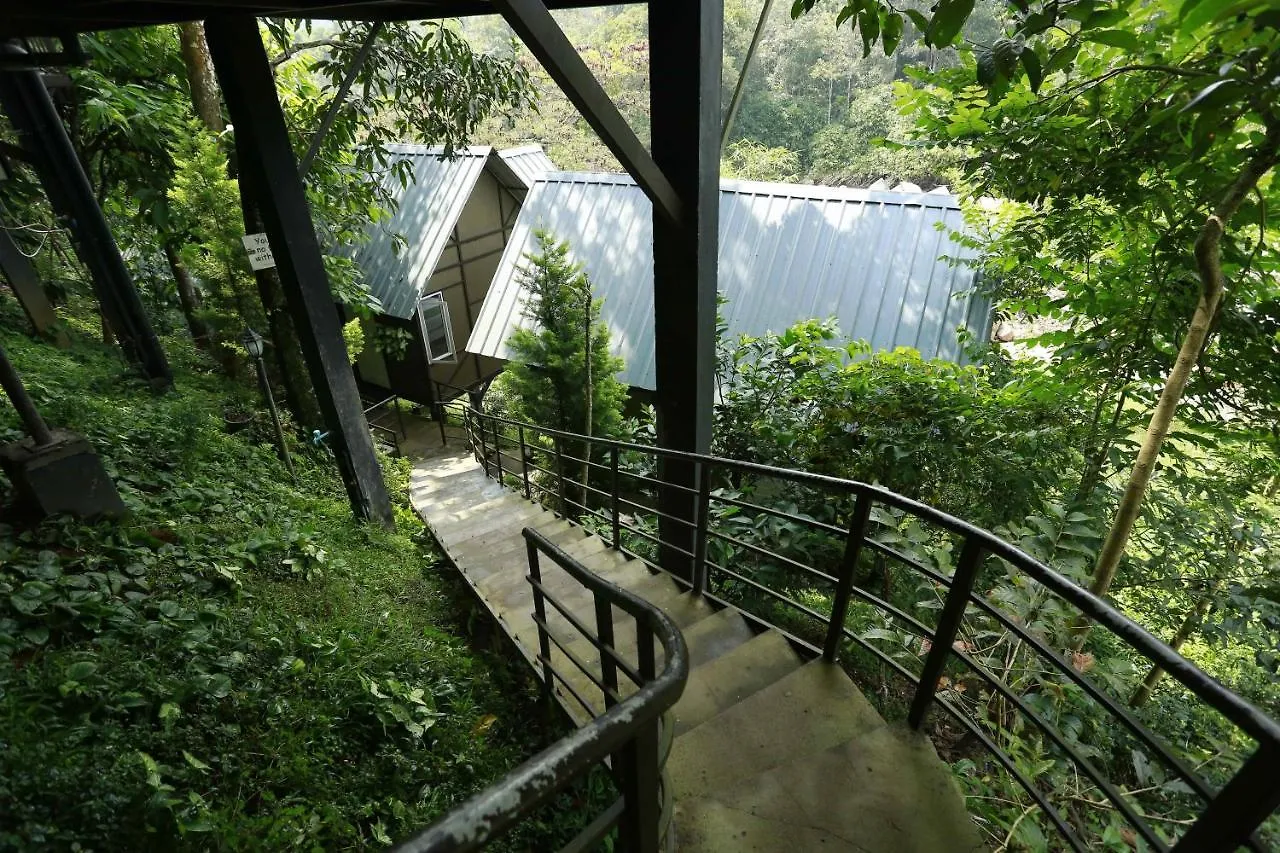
982 441
237 664
353 337
205 204
755 162
563 373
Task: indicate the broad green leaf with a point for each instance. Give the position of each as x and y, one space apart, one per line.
1196 13
891 32
81 670
948 19
1031 64
195 762
1115 38
1214 94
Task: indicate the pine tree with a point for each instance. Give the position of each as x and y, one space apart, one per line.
563 374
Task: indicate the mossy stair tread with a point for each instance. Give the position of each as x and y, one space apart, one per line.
894 796
719 684
810 709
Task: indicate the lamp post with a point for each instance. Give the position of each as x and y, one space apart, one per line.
253 344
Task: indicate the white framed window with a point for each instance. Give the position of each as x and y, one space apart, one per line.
437 329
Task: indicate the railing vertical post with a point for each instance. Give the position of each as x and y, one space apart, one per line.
604 633
497 448
540 611
613 496
1248 799
638 773
524 464
844 586
564 506
944 636
702 514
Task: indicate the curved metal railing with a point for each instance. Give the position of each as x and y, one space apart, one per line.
811 591
627 734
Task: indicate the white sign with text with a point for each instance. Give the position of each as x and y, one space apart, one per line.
259 250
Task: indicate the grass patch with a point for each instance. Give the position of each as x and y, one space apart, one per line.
237 664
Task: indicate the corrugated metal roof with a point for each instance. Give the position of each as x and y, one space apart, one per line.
873 259
429 210
529 162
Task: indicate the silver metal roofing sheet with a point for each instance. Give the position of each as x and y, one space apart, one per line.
529 162
873 259
429 210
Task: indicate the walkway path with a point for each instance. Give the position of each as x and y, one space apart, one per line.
772 753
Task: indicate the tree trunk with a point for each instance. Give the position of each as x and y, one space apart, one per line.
1096 458
1189 624
200 77
187 296
1208 254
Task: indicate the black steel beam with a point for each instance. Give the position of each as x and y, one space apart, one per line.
39 17
266 159
34 117
684 106
532 21
17 270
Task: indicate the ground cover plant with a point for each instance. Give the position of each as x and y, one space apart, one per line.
237 664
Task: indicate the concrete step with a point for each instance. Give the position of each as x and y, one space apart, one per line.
894 796
716 635
813 708
718 685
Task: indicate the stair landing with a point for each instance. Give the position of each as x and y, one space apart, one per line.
771 754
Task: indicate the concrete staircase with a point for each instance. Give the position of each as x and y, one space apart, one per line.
771 752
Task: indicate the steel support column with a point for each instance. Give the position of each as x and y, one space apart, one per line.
21 275
684 106
27 103
267 160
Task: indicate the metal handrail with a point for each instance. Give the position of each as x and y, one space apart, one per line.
1230 817
626 733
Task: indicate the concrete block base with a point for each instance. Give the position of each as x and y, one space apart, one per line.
66 476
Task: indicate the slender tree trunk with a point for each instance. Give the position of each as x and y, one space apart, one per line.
286 346
200 76
1208 254
1095 460
187 295
1189 625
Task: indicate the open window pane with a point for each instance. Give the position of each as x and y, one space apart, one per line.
437 331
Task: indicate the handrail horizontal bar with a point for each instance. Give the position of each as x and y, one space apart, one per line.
812 522
573 691
659 513
655 540
1108 790
657 484
932 574
1141 732
594 832
770 555
497 808
1000 755
586 632
1236 709
808 611
576 661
